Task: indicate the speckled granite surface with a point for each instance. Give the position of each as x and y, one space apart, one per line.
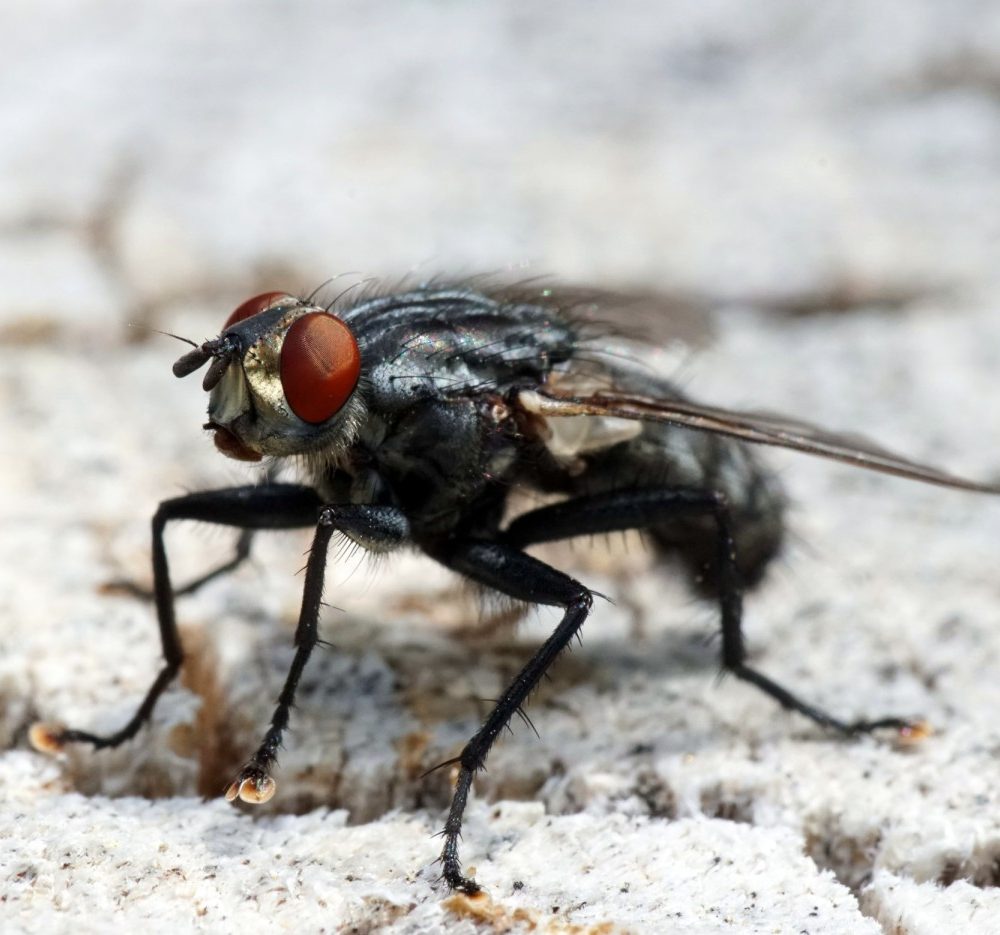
160 164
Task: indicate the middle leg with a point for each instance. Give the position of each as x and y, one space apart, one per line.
524 578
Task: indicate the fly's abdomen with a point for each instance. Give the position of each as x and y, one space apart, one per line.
662 456
756 504
659 456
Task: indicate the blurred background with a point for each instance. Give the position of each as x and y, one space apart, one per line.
799 157
809 191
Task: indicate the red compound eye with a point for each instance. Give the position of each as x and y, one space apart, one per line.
320 366
254 306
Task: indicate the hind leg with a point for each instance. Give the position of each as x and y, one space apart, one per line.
640 509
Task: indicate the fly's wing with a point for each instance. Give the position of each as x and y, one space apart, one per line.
653 317
757 428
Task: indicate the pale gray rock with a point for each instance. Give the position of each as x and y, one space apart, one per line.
158 163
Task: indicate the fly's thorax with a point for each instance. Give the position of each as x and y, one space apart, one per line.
283 381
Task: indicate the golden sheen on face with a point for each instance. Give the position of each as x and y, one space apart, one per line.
298 370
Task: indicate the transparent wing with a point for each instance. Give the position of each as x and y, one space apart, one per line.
757 428
655 318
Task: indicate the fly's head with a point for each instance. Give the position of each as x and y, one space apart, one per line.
283 378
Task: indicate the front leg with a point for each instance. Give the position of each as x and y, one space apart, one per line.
376 528
271 506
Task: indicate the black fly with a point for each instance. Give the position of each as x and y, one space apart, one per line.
416 414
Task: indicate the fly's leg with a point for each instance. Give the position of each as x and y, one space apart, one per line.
525 578
378 529
275 506
240 554
637 509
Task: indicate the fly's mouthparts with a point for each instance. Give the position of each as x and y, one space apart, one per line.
231 444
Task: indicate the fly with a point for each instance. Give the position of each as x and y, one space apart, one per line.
414 416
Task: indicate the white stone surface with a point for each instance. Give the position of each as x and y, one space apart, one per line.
159 162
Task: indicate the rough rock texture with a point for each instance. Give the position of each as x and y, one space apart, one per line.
816 184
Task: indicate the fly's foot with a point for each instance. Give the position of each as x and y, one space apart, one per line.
47 737
457 881
908 732
53 738
125 587
912 734
253 785
451 865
